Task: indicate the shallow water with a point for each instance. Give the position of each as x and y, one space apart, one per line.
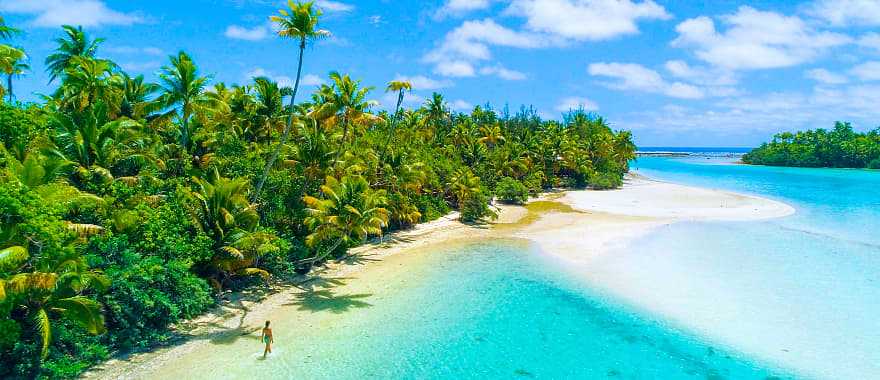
485 310
795 297
802 291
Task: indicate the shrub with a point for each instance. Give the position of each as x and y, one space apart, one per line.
511 191
430 207
147 296
874 164
605 181
475 208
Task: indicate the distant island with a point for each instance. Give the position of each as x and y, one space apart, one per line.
840 147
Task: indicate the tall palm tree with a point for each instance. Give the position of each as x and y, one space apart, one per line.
77 44
300 22
400 87
12 63
183 93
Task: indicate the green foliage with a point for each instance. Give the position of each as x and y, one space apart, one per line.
874 164
124 204
511 191
475 208
839 148
605 181
20 126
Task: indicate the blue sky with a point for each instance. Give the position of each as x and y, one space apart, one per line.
676 73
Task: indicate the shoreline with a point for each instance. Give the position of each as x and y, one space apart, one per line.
555 222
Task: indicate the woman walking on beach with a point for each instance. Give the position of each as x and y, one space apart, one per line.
268 339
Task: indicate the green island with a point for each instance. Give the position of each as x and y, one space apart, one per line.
128 206
840 147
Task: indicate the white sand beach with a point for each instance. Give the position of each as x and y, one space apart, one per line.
574 227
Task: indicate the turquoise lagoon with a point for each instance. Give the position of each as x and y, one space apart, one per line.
489 310
795 297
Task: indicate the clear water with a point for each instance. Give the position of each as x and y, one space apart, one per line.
802 291
796 297
492 310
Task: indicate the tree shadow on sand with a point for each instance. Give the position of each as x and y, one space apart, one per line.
326 300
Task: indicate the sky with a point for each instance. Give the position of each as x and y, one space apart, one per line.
676 73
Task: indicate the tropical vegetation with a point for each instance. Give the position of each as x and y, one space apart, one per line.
840 147
127 206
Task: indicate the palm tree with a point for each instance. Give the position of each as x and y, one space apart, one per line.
350 102
88 81
52 282
96 143
135 96
58 291
7 31
400 87
492 136
463 185
12 64
77 44
224 212
270 105
348 212
184 92
300 23
437 113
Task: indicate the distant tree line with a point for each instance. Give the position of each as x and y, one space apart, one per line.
840 147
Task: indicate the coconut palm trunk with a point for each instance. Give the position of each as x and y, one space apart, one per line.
393 124
9 86
286 134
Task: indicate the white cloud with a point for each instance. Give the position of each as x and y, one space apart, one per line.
461 105
389 100
53 13
460 7
586 19
334 6
870 40
575 103
631 76
421 82
283 80
455 69
868 71
311 80
375 19
242 33
755 40
764 114
547 23
502 72
699 74
825 77
470 42
847 12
